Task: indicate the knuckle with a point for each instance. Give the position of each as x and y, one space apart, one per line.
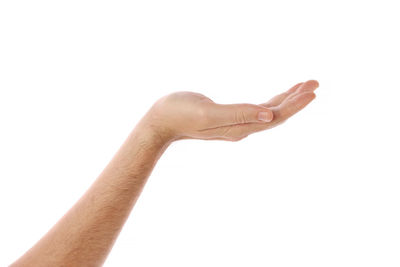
240 117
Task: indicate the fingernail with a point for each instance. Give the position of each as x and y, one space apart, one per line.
265 116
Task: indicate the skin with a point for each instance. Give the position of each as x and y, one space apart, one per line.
85 235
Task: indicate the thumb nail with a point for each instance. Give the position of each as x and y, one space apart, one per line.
265 116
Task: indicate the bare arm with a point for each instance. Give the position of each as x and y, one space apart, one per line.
84 236
86 233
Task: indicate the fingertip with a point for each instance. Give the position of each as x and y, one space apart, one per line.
266 115
270 111
308 95
309 86
308 98
313 83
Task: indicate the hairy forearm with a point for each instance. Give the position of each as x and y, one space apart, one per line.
85 235
87 232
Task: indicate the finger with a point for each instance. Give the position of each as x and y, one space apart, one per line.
281 114
276 100
292 105
219 115
293 101
308 86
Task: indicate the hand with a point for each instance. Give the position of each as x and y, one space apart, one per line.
185 115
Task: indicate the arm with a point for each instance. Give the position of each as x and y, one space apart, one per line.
84 236
86 233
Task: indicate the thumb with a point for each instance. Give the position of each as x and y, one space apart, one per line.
223 115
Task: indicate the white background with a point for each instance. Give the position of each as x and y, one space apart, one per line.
320 190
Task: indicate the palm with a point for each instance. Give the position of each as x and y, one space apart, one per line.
193 115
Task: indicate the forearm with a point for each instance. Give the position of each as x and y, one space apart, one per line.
85 235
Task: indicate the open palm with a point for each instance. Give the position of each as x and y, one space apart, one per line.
183 115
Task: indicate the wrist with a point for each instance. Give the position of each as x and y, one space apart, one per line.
140 151
153 135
